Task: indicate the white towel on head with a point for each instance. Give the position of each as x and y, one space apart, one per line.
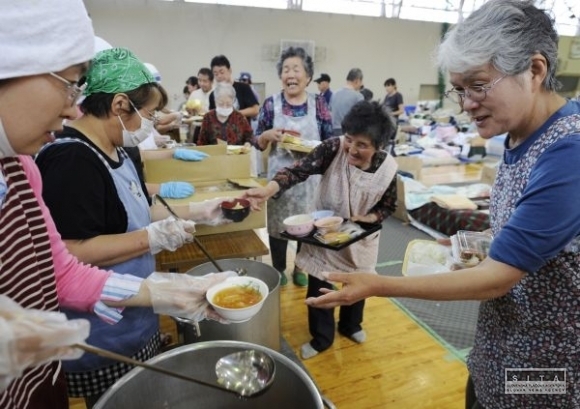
40 36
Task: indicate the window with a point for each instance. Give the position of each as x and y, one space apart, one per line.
566 12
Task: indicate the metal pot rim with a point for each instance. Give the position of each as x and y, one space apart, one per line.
278 358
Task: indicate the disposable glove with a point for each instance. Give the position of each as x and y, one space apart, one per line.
161 140
32 337
183 295
208 212
189 155
169 234
176 190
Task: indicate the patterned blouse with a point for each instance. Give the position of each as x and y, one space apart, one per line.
236 130
323 118
318 161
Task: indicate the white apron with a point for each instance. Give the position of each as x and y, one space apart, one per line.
300 198
348 191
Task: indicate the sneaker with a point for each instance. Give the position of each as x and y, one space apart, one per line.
359 337
307 352
283 280
300 278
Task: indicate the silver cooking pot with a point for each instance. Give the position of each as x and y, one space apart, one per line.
262 329
292 387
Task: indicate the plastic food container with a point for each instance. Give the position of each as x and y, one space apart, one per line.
469 248
426 257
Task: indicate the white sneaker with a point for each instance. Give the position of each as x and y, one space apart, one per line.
307 352
359 337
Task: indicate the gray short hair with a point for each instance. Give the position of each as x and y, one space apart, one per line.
296 52
505 34
354 74
224 89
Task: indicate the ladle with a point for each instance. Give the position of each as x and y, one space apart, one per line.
245 373
239 271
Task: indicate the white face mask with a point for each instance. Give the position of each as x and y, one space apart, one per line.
6 150
134 138
224 111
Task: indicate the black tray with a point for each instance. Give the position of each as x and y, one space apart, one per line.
369 228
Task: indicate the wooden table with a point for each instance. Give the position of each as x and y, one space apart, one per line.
239 244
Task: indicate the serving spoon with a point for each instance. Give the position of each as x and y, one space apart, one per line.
245 373
239 271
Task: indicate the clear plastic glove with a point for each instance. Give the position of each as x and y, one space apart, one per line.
161 140
208 212
189 155
176 190
169 234
32 337
182 295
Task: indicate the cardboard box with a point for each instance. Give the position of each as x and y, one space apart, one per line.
410 164
401 212
211 177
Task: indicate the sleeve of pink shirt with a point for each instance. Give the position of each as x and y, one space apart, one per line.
79 286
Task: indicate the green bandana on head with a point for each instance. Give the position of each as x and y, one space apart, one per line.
116 70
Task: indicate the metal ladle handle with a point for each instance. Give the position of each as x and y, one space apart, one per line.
122 358
204 250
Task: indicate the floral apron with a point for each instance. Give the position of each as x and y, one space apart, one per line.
535 324
300 198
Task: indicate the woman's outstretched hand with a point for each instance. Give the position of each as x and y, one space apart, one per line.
355 287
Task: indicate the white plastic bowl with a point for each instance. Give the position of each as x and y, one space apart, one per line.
328 224
320 214
238 314
299 225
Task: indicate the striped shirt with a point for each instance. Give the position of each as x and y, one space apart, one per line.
34 263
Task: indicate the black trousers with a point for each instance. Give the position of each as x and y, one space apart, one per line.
278 248
321 321
470 398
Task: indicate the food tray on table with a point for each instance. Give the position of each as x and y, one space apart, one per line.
356 230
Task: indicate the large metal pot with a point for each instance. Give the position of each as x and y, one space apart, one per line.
292 387
262 329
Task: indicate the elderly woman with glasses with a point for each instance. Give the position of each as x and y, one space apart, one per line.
101 210
224 123
502 64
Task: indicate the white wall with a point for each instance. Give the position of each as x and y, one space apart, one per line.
179 38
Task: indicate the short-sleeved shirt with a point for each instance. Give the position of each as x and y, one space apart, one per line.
392 102
341 103
97 208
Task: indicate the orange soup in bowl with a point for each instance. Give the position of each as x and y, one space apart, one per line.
237 297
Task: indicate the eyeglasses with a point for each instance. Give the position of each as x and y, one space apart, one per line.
72 89
153 115
476 93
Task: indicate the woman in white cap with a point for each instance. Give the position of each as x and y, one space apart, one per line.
39 69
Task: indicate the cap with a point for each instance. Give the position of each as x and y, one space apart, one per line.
323 77
245 76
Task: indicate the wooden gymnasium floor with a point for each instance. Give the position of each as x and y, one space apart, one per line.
400 366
